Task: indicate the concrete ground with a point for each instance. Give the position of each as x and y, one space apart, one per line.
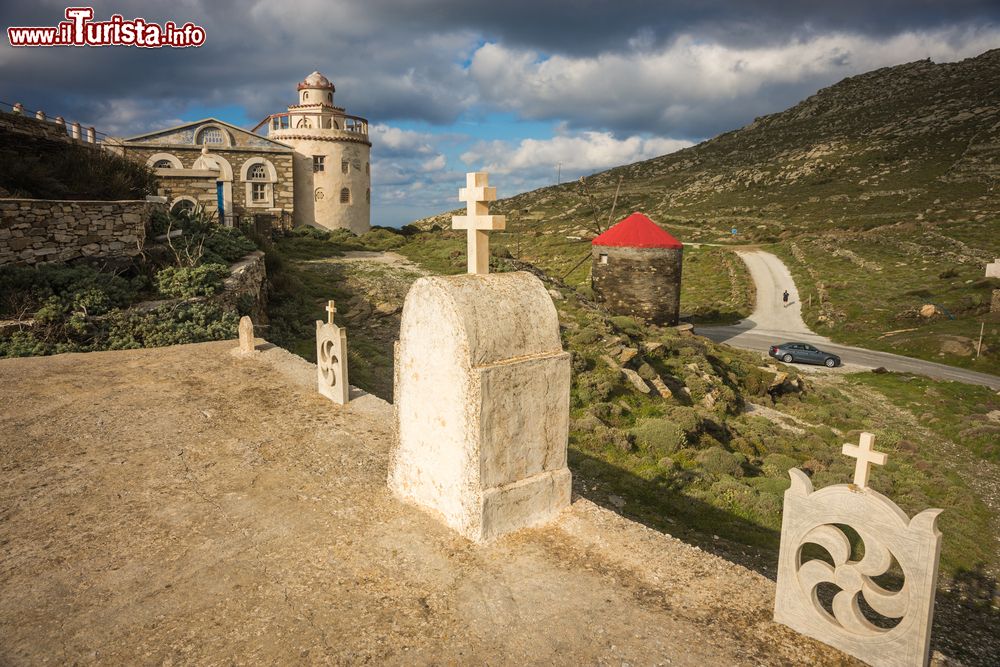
773 322
183 505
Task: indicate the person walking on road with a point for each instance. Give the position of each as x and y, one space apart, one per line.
784 298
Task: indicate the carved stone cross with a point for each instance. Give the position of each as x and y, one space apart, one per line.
330 310
866 456
477 221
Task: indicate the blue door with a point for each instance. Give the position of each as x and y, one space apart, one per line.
220 201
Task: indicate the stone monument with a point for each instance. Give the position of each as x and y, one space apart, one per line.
993 269
482 393
331 358
247 343
902 634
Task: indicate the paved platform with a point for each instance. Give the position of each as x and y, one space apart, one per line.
186 506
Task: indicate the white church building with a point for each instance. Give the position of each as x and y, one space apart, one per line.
312 168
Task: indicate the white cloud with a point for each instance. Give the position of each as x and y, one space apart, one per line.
580 153
689 86
436 163
397 141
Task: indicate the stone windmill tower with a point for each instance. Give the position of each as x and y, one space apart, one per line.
637 270
332 162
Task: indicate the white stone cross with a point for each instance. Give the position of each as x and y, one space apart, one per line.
330 309
865 456
477 221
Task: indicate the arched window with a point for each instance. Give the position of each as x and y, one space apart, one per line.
368 168
163 161
368 195
304 122
305 95
329 98
257 172
345 166
183 207
345 196
211 135
259 177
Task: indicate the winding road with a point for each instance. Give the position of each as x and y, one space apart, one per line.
772 322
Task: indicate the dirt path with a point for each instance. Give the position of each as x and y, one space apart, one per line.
390 258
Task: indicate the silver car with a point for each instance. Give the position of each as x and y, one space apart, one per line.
803 353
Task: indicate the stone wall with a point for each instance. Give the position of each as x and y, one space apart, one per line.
639 282
995 303
246 284
34 231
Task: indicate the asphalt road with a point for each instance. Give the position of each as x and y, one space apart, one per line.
775 322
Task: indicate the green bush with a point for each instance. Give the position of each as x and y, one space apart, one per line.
626 325
586 336
596 386
658 436
717 461
57 170
778 465
24 289
228 244
187 282
188 323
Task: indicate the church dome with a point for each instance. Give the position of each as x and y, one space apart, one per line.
317 80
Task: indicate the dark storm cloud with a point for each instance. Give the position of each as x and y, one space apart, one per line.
404 60
623 79
588 26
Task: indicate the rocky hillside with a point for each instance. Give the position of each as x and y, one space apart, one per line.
879 191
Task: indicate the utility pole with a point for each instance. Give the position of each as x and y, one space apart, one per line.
979 346
559 174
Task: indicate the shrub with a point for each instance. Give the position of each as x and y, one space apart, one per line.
626 325
188 323
586 336
717 461
187 282
778 465
65 171
597 385
620 439
688 420
658 436
227 244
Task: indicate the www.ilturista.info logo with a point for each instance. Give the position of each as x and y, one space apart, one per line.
79 30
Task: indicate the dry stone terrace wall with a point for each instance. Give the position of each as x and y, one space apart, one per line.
34 231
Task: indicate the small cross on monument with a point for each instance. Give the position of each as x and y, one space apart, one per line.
477 220
330 310
865 456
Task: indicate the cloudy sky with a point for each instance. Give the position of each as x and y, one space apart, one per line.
520 88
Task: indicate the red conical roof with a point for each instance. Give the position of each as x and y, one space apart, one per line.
637 231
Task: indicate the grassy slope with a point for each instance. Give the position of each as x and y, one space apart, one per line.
898 166
697 464
668 479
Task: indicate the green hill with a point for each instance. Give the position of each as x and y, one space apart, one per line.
880 193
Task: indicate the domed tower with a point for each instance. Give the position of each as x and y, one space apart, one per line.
332 162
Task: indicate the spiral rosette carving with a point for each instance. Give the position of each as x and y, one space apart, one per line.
854 579
812 518
327 361
331 362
